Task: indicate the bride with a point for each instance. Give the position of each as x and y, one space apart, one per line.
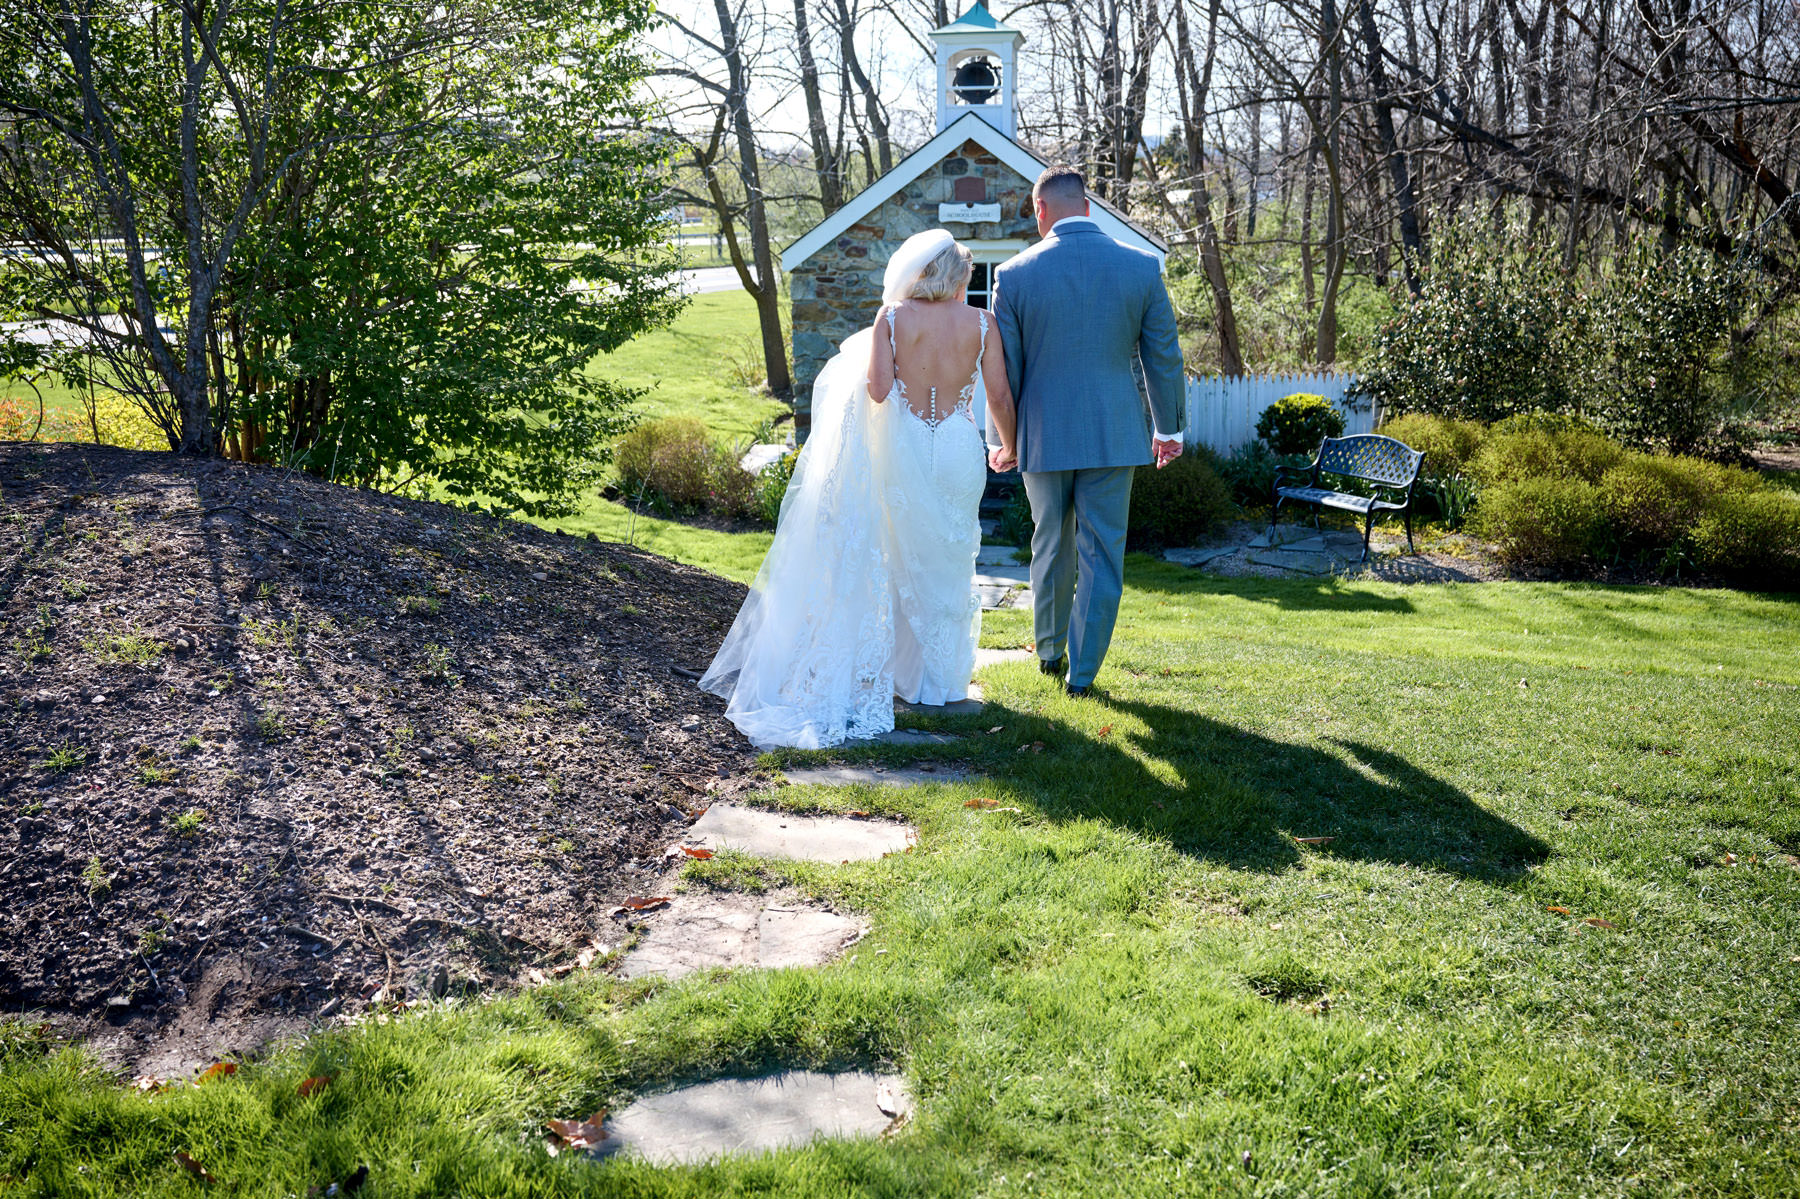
867 590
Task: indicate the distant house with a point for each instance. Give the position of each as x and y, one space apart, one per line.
973 179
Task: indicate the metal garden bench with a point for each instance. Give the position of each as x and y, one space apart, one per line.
1392 466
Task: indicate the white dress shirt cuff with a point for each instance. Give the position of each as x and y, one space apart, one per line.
1161 438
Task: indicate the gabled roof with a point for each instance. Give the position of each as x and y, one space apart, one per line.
967 128
976 20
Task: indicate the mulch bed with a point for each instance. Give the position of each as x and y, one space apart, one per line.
273 750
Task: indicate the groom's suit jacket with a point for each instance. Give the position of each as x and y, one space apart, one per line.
1078 315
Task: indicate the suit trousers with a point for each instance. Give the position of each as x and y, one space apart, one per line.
1077 562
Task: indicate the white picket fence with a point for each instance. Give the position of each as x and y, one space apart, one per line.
1222 411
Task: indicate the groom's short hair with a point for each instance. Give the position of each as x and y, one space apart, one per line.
1061 184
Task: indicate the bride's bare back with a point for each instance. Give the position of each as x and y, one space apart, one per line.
933 350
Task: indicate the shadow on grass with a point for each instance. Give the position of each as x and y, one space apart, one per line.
1325 594
1241 799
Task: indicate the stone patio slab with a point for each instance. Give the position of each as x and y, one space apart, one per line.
1190 557
995 596
701 930
1003 576
961 707
754 1115
1299 563
765 834
996 555
1284 535
874 776
910 737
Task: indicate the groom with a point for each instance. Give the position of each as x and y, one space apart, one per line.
1078 313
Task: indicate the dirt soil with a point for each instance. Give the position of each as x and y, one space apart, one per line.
274 751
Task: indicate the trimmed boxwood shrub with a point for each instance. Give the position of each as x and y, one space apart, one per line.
1752 537
1654 500
1545 522
1533 447
1297 423
1449 445
1178 504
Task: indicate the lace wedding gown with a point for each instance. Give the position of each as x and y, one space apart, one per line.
867 590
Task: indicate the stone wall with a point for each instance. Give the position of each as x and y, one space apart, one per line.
838 290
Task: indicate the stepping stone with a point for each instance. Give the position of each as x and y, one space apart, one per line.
910 737
992 657
702 930
1299 563
967 706
990 526
1198 557
998 595
1003 576
996 555
872 776
754 1115
761 457
765 834
1284 535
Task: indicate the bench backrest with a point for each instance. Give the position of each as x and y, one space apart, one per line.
1371 456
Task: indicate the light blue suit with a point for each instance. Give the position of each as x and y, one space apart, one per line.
1079 317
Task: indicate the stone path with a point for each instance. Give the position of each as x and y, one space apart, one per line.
753 1115
768 834
720 928
703 929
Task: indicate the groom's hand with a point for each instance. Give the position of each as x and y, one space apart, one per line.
1002 461
1166 451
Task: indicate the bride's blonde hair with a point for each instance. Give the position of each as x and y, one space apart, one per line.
946 274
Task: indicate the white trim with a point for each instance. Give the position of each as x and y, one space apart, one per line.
966 128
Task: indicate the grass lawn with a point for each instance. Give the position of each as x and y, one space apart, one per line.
1552 948
690 366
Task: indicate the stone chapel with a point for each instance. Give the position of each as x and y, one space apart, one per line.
972 179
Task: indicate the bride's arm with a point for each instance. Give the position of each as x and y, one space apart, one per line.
881 360
1003 417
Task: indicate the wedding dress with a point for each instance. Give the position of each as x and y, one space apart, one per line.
867 590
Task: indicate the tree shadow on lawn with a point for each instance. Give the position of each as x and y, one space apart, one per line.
1324 594
1242 798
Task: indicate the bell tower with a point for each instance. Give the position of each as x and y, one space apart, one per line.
977 62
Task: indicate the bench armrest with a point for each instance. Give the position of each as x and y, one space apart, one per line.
1308 474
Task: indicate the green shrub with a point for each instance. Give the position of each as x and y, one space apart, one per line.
1540 447
634 453
1449 445
1016 525
1495 330
1178 504
1654 500
772 485
1297 423
1250 472
1544 521
675 461
1752 537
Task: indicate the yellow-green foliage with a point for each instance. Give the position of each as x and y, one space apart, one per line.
1449 445
1550 521
1654 500
120 422
1535 447
1753 536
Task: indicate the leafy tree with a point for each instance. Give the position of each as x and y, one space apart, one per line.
379 242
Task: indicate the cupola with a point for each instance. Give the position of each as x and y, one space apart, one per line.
977 61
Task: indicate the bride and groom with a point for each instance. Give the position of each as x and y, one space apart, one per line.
867 590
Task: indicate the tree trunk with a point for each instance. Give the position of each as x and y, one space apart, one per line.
1192 87
1404 199
825 159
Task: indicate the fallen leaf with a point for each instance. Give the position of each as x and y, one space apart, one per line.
1597 922
217 1070
1037 747
1731 859
193 1167
641 903
981 803
149 1082
887 1098
691 852
535 977
314 1085
1021 811
1315 840
995 729
1560 911
1105 729
1276 927
859 814
579 1135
